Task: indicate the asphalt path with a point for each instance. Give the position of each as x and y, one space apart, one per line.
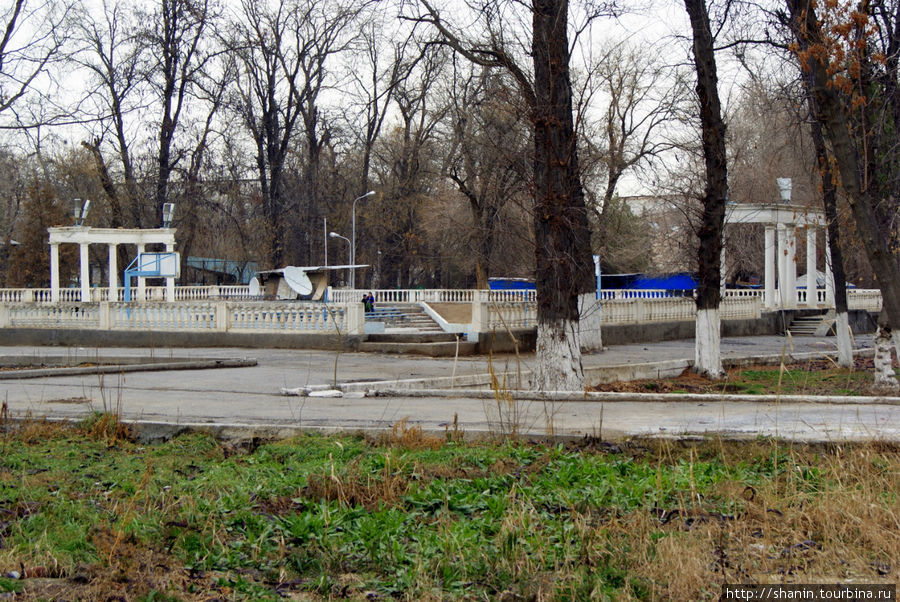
236 401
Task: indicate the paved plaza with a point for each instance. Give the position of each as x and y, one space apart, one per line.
249 401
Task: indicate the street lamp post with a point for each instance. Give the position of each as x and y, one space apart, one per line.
349 246
353 238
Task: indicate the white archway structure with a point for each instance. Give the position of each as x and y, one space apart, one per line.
782 221
83 236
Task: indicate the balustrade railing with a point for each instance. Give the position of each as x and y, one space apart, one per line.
220 316
230 308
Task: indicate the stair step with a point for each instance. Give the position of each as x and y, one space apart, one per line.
404 317
412 337
441 349
806 325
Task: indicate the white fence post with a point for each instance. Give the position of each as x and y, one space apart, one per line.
4 316
103 315
221 309
480 316
354 318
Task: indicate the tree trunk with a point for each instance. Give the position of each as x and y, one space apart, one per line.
562 240
707 356
851 166
829 200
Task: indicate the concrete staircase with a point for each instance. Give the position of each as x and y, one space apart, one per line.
809 325
432 344
404 317
408 329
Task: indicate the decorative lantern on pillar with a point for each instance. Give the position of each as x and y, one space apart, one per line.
784 188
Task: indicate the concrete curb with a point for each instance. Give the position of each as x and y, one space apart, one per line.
569 396
122 368
149 432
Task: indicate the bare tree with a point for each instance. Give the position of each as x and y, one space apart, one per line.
564 268
858 101
707 356
375 78
175 42
113 57
406 160
642 96
488 157
282 55
33 34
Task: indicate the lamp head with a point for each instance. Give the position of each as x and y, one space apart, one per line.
168 211
80 210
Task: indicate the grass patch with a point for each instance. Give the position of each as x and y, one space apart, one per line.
85 511
813 377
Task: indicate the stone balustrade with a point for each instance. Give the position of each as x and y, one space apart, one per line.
215 316
230 308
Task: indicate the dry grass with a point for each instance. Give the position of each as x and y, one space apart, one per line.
785 531
413 437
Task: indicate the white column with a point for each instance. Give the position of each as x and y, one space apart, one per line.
141 285
113 275
170 282
770 267
782 265
54 272
791 265
722 272
811 279
84 277
829 274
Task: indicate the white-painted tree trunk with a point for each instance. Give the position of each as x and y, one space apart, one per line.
589 323
707 344
558 357
844 341
884 364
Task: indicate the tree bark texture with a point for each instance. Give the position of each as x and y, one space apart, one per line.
562 239
712 222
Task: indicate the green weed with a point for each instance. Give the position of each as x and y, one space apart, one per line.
409 518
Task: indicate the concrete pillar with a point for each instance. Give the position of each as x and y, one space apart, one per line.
54 273
170 282
354 318
141 284
782 265
811 280
84 278
791 265
480 300
113 275
829 274
722 271
103 315
221 316
770 267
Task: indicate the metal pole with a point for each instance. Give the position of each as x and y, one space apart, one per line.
353 246
325 238
353 238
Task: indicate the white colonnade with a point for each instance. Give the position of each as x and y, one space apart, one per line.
782 224
84 236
